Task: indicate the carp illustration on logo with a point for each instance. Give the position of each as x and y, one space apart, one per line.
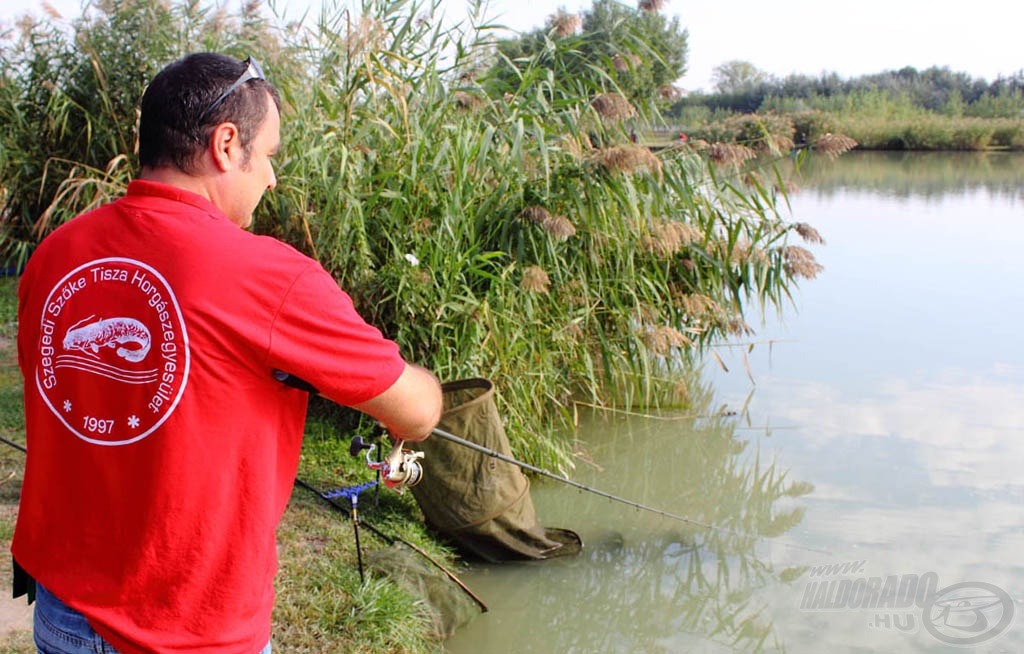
111 333
113 351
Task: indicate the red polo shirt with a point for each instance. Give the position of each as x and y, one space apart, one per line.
161 450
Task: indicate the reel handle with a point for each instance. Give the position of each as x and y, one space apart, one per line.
358 445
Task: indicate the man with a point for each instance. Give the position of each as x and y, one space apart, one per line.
162 449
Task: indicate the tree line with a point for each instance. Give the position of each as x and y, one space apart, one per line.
742 88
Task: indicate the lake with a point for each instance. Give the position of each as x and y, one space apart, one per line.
852 475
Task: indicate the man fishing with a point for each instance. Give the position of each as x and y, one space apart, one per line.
161 447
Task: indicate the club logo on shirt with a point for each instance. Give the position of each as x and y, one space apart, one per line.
113 351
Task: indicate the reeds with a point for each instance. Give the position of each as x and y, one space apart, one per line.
534 255
833 145
565 24
559 227
613 106
800 262
627 159
670 237
652 5
535 280
808 233
730 154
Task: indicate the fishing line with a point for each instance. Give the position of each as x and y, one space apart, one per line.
440 433
301 384
391 540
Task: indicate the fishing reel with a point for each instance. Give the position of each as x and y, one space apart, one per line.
400 470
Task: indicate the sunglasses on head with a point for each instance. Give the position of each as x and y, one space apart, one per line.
252 71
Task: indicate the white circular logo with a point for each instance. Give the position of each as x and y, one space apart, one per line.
113 351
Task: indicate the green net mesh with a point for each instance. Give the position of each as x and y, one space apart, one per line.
479 503
447 605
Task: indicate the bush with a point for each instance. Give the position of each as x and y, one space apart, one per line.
808 126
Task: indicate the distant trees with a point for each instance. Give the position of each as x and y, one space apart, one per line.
738 76
742 88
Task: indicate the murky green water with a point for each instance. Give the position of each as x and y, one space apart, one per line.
873 441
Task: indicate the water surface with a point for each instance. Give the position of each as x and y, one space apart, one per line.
868 446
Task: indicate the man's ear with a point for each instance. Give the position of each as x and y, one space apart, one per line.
224 146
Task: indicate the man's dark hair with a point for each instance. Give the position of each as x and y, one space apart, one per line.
175 122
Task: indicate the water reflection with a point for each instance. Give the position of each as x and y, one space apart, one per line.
646 582
901 374
923 175
893 386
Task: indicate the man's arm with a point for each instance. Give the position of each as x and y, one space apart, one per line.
411 407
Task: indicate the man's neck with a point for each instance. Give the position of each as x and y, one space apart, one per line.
175 177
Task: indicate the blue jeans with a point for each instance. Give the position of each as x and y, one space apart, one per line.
59 629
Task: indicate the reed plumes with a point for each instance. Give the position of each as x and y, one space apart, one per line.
696 305
575 146
559 227
534 214
735 325
627 159
468 101
535 280
51 11
833 145
667 238
613 107
662 339
365 37
780 144
625 63
808 233
800 262
564 24
730 154
669 93
651 5
743 253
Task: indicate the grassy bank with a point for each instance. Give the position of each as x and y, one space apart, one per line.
322 606
905 109
934 132
905 131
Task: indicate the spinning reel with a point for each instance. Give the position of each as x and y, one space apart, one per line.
400 470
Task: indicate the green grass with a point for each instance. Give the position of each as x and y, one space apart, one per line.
12 461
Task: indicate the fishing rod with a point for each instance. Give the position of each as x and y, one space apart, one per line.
440 433
301 384
14 445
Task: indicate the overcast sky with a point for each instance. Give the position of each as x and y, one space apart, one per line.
979 37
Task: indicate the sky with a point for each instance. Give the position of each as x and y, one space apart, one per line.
980 37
